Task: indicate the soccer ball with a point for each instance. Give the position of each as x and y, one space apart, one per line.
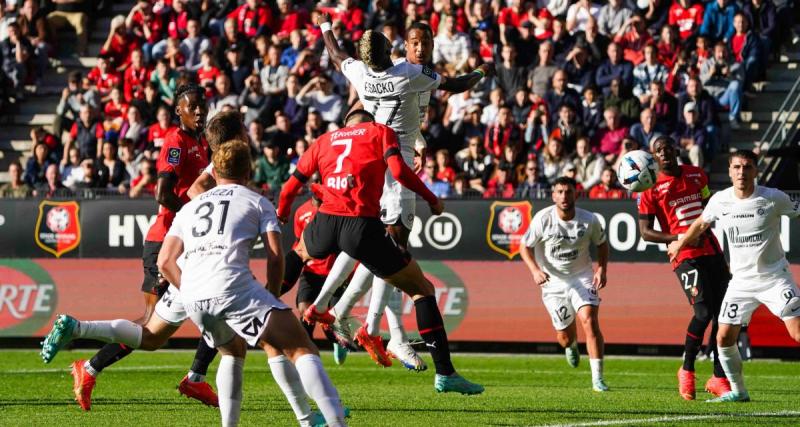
637 171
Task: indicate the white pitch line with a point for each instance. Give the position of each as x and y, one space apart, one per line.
676 418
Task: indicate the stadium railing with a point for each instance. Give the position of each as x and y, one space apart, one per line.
780 134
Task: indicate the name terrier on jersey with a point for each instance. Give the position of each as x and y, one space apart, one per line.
350 132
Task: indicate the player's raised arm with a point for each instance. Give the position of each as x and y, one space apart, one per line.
695 230
306 167
168 259
404 175
467 81
337 54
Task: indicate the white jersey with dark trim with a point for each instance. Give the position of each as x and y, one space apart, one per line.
752 227
393 96
561 248
218 229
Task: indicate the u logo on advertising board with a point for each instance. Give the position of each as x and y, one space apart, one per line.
27 297
508 222
58 229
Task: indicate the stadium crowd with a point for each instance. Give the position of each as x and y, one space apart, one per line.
577 85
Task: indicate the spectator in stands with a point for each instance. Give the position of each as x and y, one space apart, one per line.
148 107
525 42
649 70
501 185
119 44
608 187
291 18
489 113
115 111
293 110
51 186
536 128
552 160
668 47
15 51
608 140
444 172
451 47
462 190
296 45
70 169
762 17
533 186
680 73
90 182
612 17
224 96
596 43
236 68
253 102
578 15
470 125
381 13
615 67
718 20
87 134
510 19
15 188
619 96
136 76
475 164
502 132
520 106
144 184
539 77
351 15
663 104
318 94
274 74
37 165
34 27
110 170
103 77
560 94
562 42
255 135
647 128
719 77
71 13
143 24
193 45
457 106
567 127
281 133
300 147
127 155
438 187
252 19
691 136
70 103
687 16
134 128
580 72
746 49
591 110
315 127
510 76
54 147
704 104
588 164
632 39
272 169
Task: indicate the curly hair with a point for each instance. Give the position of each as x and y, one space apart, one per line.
232 160
373 51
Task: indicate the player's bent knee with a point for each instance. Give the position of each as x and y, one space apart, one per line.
727 335
702 313
156 333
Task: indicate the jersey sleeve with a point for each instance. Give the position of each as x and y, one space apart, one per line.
176 229
389 140
172 156
712 210
645 203
422 78
598 235
534 234
268 219
354 71
785 206
209 169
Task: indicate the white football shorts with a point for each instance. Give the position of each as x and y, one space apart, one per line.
170 307
744 296
563 298
245 314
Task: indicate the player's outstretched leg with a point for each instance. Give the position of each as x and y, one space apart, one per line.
398 346
288 379
230 377
340 270
431 327
194 384
356 289
595 345
731 362
694 339
283 332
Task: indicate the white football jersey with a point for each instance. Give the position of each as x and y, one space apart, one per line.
424 101
561 248
393 96
752 227
218 229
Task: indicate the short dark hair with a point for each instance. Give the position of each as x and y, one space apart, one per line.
565 180
188 89
421 26
358 112
224 126
743 154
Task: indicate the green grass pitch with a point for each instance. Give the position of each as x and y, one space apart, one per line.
520 390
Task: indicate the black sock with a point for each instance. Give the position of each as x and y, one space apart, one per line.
109 355
694 339
293 266
431 328
203 357
718 371
309 328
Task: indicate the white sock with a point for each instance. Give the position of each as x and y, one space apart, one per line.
342 268
381 291
319 387
356 289
597 368
195 377
90 369
229 389
117 331
394 315
731 362
288 380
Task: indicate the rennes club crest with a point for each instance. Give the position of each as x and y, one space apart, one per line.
508 222
58 229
